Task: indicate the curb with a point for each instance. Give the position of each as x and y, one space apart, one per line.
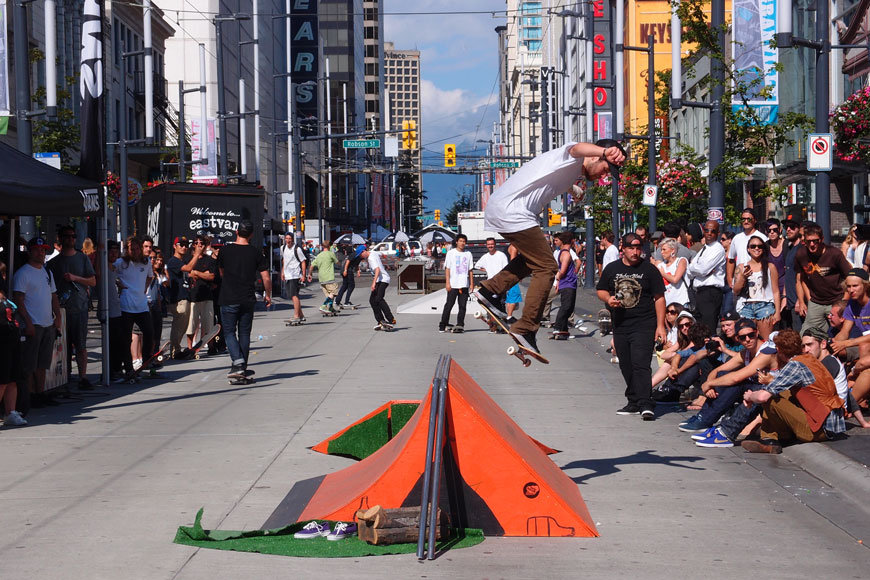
833 468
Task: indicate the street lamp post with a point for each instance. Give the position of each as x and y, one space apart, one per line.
221 112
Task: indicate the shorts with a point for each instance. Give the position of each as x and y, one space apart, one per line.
201 312
10 359
291 287
330 289
36 350
757 310
76 330
513 296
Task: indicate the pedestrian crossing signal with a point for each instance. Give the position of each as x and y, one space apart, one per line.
450 155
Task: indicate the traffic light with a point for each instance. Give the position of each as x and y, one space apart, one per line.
412 135
555 219
406 134
437 214
449 155
302 212
293 221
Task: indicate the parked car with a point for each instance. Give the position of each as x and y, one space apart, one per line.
389 248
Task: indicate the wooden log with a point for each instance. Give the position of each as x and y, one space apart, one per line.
381 526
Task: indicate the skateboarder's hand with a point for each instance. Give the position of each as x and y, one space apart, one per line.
614 155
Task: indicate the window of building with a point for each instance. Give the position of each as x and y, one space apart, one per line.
531 8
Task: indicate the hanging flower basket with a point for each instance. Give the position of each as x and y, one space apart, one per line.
850 124
680 179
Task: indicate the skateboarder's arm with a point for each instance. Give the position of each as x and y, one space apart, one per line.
612 154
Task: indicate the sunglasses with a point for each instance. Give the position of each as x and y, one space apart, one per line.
747 336
636 246
813 241
755 247
773 230
672 311
684 324
747 219
712 230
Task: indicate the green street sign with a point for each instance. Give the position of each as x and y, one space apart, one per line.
362 143
504 164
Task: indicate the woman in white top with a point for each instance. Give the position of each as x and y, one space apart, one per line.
673 271
757 286
134 273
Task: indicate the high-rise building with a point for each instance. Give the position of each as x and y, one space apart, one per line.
402 99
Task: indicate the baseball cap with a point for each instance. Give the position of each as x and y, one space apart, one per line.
38 242
745 323
359 250
860 273
816 333
686 314
181 240
731 316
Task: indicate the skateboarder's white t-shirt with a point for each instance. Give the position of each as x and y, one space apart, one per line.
374 261
459 264
515 205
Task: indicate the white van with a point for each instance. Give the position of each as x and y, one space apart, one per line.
389 248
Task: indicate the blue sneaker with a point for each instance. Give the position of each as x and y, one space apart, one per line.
312 530
716 439
693 425
703 434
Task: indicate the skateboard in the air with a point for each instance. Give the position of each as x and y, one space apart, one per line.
247 379
203 341
519 351
605 323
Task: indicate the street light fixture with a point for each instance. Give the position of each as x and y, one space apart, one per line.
218 22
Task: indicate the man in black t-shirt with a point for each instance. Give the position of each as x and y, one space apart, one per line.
239 264
179 295
634 291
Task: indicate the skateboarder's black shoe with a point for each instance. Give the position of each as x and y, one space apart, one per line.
236 372
528 341
491 301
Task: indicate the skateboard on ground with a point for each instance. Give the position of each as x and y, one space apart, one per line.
456 329
293 322
348 306
605 323
385 326
519 351
203 341
245 380
560 335
328 312
158 356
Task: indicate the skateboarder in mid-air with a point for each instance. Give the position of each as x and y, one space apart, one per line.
513 212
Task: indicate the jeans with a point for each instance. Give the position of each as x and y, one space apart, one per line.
635 350
734 422
452 295
380 308
567 299
238 317
347 285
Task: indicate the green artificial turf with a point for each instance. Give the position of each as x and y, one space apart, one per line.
280 542
363 439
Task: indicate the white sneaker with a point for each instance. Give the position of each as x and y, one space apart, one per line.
137 364
14 419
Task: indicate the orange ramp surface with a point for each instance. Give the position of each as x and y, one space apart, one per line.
495 477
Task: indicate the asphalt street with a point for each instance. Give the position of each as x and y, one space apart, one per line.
96 487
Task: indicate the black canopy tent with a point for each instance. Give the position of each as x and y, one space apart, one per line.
30 187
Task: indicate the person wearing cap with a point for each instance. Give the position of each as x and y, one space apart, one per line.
179 295
74 274
707 272
723 392
35 292
694 237
800 403
294 268
634 292
239 265
820 269
349 270
790 318
202 271
854 330
513 210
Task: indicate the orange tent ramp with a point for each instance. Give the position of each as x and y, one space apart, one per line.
494 475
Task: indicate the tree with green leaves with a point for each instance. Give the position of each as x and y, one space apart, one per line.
465 201
61 134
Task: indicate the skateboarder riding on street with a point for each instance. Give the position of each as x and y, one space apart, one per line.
513 211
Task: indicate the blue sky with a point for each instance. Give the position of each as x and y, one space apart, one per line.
459 69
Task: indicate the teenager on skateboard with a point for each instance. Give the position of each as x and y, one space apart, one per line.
380 282
513 211
239 264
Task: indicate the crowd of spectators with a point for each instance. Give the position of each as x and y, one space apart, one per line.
767 332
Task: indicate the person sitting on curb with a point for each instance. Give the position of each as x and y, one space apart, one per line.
800 403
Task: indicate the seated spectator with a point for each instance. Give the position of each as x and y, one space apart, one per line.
818 345
684 322
850 321
801 403
747 371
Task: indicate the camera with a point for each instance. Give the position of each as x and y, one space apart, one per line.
660 345
620 296
712 347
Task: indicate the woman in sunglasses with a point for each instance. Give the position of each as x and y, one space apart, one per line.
682 323
756 285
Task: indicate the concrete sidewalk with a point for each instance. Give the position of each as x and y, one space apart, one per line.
97 487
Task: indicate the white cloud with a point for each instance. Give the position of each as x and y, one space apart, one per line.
455 114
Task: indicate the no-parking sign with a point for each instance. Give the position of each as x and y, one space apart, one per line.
650 195
820 152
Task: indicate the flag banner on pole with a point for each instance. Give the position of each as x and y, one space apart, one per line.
91 90
4 65
754 57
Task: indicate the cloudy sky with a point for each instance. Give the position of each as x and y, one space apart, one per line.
459 67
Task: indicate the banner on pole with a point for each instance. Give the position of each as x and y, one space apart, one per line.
4 62
91 91
204 173
754 28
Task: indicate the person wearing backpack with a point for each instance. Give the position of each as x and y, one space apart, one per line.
294 267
